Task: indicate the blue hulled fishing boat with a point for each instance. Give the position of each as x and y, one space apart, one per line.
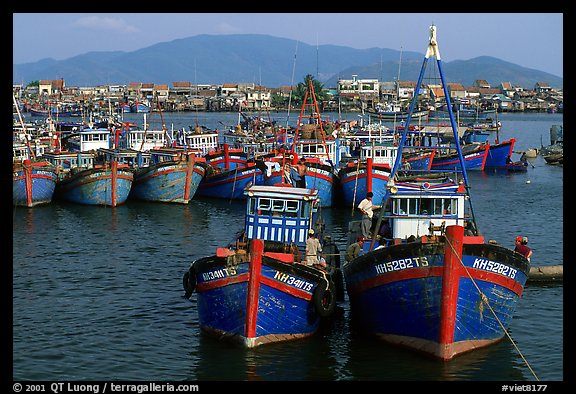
228 172
260 289
33 183
173 175
433 284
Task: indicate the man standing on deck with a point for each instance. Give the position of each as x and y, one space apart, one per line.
313 249
367 208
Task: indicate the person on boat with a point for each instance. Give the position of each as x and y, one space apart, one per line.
313 249
523 159
367 209
522 247
354 249
331 252
385 230
301 170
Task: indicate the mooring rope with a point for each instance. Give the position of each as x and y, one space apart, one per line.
485 300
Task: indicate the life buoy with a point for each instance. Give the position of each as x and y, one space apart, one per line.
324 299
189 282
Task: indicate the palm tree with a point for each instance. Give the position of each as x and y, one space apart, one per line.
300 91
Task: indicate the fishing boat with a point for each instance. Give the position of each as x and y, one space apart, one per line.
258 290
435 285
474 156
228 172
33 182
90 177
106 184
33 179
139 107
370 172
172 175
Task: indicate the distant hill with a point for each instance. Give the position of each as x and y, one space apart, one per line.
265 60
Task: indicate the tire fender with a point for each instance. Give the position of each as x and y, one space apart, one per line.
324 299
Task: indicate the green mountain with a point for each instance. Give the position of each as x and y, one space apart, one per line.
262 59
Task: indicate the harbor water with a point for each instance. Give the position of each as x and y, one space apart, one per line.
97 291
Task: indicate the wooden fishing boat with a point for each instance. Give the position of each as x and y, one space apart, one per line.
105 184
499 154
370 172
474 158
228 172
173 175
33 182
435 285
258 289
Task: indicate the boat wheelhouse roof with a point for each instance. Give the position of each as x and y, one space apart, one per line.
286 192
421 187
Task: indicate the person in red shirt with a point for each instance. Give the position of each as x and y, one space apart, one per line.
522 247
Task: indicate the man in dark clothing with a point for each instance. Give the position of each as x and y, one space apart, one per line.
332 257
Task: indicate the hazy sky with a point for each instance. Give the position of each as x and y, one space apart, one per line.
533 40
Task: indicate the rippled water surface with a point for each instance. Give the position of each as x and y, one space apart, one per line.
97 292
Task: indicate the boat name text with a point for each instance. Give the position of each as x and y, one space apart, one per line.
492 266
293 281
219 274
401 264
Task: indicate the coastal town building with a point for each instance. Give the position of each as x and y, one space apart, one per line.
356 94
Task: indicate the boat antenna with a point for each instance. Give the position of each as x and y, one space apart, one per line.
291 85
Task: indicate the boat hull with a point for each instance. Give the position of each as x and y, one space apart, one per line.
96 186
319 177
473 160
33 185
255 302
171 182
230 183
497 154
356 182
418 295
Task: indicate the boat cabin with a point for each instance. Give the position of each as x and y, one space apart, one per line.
89 139
419 206
280 213
142 140
332 150
206 141
380 153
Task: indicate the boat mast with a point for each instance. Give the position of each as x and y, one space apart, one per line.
432 50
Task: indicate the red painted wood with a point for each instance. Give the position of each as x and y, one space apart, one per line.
450 282
257 248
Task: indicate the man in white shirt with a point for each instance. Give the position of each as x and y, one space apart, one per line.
367 208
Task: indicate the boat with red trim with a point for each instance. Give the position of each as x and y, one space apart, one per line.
475 156
370 172
33 182
172 175
433 283
228 173
259 289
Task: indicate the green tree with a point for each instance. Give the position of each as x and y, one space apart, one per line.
300 91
